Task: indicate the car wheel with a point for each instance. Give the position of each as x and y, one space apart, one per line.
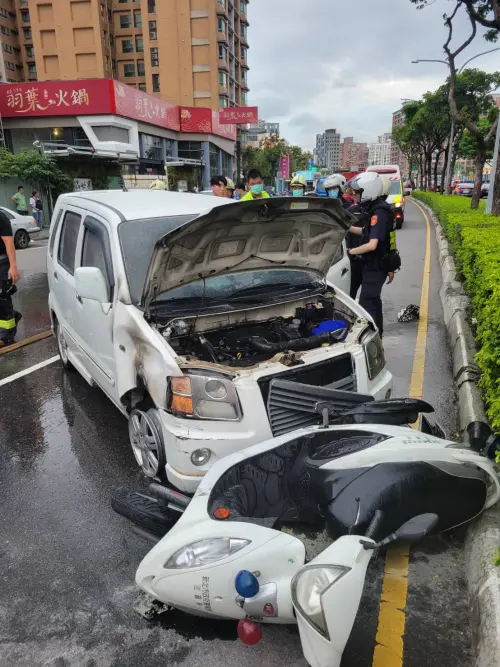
21 239
62 346
146 439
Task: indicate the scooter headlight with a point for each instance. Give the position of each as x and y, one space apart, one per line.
205 552
308 588
374 353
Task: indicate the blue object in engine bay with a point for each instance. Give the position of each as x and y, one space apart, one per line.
330 325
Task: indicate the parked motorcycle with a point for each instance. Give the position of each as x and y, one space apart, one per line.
236 550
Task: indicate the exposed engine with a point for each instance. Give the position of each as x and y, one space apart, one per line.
313 325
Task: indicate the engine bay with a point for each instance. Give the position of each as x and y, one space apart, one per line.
313 325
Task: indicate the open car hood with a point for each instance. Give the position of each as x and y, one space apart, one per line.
259 234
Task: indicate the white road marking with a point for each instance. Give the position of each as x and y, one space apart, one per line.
27 371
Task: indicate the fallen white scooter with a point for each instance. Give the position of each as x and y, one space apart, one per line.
237 551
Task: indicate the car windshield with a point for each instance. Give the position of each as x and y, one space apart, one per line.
395 188
137 240
249 286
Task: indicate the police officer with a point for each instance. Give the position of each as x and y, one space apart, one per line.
9 275
354 241
335 186
298 185
376 243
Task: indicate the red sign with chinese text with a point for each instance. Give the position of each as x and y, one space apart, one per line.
57 98
198 119
284 170
227 131
239 115
133 103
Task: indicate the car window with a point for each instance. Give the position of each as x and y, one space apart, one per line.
7 213
53 235
395 188
68 240
93 251
338 255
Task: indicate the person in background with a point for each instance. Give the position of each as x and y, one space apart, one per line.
240 190
335 186
354 241
298 185
230 188
255 184
219 185
19 200
9 275
35 209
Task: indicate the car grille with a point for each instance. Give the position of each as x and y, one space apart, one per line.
289 408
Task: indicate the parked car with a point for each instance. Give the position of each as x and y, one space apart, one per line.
183 311
485 189
23 227
464 189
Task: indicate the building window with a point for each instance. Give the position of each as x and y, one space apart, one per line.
5 30
243 7
4 12
223 79
142 86
25 15
128 70
243 53
244 98
156 83
10 66
30 52
139 44
140 69
155 62
169 148
243 75
127 46
152 6
152 146
223 102
125 21
243 31
222 53
111 40
152 30
221 25
7 48
138 19
106 63
32 69
190 150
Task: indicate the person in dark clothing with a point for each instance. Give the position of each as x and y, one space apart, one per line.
334 187
375 245
354 241
9 275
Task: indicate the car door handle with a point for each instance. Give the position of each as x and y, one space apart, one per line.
55 275
344 271
79 298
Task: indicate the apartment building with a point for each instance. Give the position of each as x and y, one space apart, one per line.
353 154
260 132
380 151
187 52
397 156
327 152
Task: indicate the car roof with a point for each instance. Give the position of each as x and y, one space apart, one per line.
140 204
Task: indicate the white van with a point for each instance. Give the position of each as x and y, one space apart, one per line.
183 308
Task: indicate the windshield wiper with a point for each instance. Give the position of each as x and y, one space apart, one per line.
272 289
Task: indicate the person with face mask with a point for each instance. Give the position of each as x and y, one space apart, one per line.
298 185
255 184
335 186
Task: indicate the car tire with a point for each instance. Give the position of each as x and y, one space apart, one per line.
146 440
21 239
62 347
144 511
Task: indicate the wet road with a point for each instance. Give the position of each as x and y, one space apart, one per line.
67 562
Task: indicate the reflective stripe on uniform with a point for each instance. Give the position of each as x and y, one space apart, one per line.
392 239
8 324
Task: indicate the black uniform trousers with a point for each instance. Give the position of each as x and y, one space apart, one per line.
371 294
356 276
7 312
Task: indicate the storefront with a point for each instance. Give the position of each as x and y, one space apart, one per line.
103 119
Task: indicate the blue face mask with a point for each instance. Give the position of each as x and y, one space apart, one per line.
256 189
298 192
334 194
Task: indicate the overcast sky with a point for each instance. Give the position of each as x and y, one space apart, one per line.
345 64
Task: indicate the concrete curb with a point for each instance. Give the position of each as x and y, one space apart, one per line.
483 536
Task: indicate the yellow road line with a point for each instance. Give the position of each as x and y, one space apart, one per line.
392 619
26 341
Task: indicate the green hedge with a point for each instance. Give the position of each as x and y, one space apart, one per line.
475 242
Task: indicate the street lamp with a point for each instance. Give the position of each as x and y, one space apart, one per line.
452 133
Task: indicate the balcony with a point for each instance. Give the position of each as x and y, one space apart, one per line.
222 8
222 64
244 40
222 37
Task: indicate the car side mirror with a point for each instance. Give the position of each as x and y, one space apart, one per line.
412 531
91 284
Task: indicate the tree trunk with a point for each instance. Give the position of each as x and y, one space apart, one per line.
496 192
444 185
478 178
436 162
428 170
422 172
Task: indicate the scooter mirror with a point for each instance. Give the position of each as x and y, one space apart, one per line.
417 528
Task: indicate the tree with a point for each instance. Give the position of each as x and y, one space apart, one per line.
266 158
483 12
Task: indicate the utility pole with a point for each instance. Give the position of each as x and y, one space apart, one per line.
491 193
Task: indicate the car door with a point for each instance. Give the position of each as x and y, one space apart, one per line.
61 265
340 271
94 319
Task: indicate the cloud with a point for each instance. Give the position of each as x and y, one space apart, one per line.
345 65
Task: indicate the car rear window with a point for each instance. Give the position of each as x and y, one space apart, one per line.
138 239
395 188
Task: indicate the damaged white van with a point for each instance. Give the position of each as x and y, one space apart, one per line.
183 308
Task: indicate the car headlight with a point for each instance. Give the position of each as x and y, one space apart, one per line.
397 204
203 397
308 587
205 552
374 354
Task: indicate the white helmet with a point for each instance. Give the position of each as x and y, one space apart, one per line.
230 184
299 179
386 185
335 181
368 185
